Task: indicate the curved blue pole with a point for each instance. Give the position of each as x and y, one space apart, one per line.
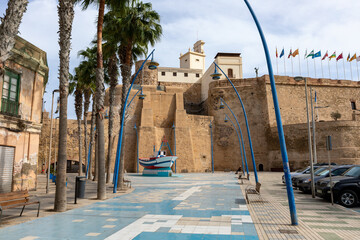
290 191
133 97
240 145
241 135
212 148
246 122
175 144
88 160
118 150
137 149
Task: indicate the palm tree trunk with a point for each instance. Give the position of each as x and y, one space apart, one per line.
125 73
9 27
100 92
78 110
92 138
87 95
66 16
113 73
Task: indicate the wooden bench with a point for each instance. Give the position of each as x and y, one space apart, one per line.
241 178
16 199
252 190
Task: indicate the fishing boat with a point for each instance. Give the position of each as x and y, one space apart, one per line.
158 161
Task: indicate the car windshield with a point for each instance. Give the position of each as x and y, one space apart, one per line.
319 170
323 172
301 170
353 172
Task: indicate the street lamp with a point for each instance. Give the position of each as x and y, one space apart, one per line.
137 149
289 189
313 125
141 96
299 78
173 127
212 147
222 101
51 123
214 75
152 65
240 142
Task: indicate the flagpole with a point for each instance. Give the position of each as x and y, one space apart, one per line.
314 67
277 67
322 70
344 68
292 66
329 69
299 66
337 71
357 66
307 63
284 65
351 72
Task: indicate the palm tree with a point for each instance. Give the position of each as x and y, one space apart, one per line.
9 28
66 16
100 90
135 28
76 88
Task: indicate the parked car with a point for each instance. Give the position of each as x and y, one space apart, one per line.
295 179
346 188
304 183
304 170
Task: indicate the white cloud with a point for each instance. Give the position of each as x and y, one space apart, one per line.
225 26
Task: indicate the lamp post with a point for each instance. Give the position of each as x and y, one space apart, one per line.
289 189
152 65
240 143
55 147
137 149
309 136
212 147
51 123
313 127
173 127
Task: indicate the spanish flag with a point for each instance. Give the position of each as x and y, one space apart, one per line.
295 53
353 57
332 56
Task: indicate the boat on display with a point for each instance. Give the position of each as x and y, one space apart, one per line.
159 161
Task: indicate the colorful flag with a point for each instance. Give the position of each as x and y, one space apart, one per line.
311 54
282 53
295 53
332 56
326 55
339 57
348 58
277 53
318 54
353 57
290 53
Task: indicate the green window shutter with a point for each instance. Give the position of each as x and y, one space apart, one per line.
10 94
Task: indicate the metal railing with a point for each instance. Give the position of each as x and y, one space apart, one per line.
9 107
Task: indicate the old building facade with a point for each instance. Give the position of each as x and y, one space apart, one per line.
22 88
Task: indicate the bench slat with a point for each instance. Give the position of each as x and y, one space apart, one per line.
13 195
20 205
14 202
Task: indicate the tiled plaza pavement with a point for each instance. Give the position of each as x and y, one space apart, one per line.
190 206
318 219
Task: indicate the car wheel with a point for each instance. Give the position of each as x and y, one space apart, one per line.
348 198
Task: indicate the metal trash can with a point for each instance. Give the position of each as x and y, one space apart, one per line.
80 187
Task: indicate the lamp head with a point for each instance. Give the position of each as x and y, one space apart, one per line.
173 126
226 119
299 78
216 75
142 95
135 126
153 64
222 106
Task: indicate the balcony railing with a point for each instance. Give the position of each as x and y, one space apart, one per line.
9 107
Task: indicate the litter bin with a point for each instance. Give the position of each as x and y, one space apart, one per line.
80 187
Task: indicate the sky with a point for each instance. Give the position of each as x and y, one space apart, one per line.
225 26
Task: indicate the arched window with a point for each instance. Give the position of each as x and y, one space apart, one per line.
230 73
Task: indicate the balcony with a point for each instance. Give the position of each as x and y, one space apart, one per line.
9 107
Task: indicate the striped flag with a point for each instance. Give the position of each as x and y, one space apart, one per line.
348 58
353 57
325 56
311 54
295 53
332 56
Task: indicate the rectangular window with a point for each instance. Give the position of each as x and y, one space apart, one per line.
353 105
185 74
197 75
10 94
174 74
162 73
